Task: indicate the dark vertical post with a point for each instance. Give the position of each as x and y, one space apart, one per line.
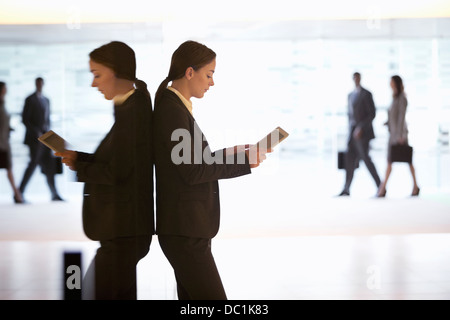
72 276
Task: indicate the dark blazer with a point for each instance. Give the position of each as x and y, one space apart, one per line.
361 112
118 192
36 117
187 194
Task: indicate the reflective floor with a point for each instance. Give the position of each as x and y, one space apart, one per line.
289 268
284 235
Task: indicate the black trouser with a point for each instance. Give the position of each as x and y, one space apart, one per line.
39 155
358 149
195 269
112 273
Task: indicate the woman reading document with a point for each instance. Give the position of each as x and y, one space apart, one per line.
187 190
118 193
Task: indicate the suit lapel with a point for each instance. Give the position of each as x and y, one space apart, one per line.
358 105
192 119
360 97
180 104
43 106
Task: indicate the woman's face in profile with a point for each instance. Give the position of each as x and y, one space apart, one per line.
393 87
104 79
202 79
3 92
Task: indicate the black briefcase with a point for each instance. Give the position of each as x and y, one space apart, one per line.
3 159
59 165
401 153
51 164
342 155
341 160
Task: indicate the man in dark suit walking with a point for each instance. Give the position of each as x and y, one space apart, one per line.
36 118
361 112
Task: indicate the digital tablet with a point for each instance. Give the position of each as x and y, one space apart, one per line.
273 138
53 141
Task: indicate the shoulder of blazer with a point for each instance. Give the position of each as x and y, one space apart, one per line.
403 98
142 96
138 99
366 92
31 97
171 102
363 90
170 96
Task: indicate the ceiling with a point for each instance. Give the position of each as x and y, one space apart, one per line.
207 11
55 21
231 31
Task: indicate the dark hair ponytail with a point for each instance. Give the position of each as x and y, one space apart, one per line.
142 86
189 54
398 85
120 58
161 88
2 85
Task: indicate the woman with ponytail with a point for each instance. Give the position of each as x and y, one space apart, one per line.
398 132
187 189
118 177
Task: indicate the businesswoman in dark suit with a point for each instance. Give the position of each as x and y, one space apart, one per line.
118 193
5 147
398 131
187 190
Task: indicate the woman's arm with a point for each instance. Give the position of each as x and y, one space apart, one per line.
190 153
129 123
121 143
401 118
85 157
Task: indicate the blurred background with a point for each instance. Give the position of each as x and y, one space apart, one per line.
285 63
288 64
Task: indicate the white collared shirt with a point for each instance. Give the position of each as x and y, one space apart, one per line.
185 101
121 98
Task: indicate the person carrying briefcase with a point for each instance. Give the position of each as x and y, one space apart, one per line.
399 149
401 153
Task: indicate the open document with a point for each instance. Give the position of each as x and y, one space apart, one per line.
53 141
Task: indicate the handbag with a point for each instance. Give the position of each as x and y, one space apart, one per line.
341 159
51 164
342 155
3 159
401 153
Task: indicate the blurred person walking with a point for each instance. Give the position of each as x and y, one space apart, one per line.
361 113
36 118
5 147
118 177
398 132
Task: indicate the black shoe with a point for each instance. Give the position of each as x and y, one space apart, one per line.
18 200
344 194
381 194
415 192
57 198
